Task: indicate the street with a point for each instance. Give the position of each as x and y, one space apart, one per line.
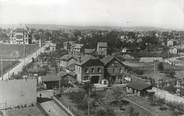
23 62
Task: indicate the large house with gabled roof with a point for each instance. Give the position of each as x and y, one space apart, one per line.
114 69
89 68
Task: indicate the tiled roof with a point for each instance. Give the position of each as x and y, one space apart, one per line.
138 84
50 77
108 59
67 57
84 59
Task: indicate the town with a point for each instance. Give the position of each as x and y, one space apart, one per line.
76 72
92 58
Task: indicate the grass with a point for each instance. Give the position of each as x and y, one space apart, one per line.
7 65
16 51
28 111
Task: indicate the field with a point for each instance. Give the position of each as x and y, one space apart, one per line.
28 111
16 51
6 65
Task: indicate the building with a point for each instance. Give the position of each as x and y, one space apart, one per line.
68 45
115 70
20 36
51 80
102 48
67 60
21 92
77 49
138 87
89 68
70 78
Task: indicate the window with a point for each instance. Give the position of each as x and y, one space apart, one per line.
99 70
86 70
113 70
85 77
92 70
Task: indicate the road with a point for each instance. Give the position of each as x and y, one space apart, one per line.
23 62
53 109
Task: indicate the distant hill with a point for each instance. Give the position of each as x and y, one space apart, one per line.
70 27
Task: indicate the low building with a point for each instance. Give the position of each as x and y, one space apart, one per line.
51 81
102 48
70 78
89 68
115 70
138 87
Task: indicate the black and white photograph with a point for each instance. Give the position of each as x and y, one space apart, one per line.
91 57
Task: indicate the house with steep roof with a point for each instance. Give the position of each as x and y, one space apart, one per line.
102 48
89 68
67 60
115 70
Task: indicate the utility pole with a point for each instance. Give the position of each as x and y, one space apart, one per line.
1 68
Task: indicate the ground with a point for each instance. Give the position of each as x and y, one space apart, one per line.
28 111
6 65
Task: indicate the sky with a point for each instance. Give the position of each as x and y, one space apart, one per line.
124 13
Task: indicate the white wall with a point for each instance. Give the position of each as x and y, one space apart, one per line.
17 92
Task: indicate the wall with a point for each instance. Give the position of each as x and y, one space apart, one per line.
17 92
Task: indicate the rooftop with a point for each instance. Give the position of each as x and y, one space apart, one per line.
102 44
138 84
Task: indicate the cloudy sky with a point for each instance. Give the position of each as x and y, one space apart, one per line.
157 13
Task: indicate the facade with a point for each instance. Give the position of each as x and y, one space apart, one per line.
20 36
90 69
115 70
102 48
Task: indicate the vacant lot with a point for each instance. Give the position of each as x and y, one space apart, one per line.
7 65
16 51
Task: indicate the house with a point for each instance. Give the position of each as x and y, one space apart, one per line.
115 70
68 45
170 43
89 68
77 49
102 48
20 36
51 47
138 87
67 60
51 80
